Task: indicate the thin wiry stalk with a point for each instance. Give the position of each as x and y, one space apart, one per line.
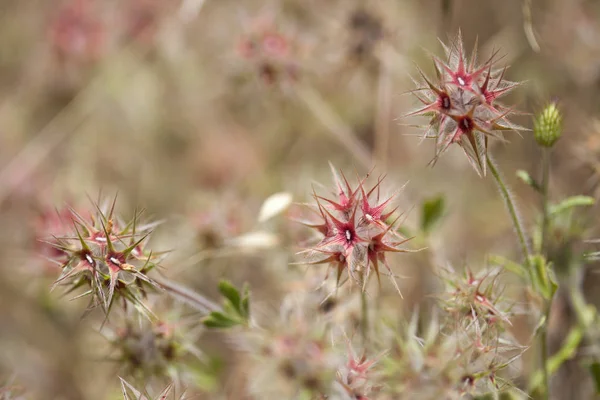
545 184
512 210
188 296
544 351
544 249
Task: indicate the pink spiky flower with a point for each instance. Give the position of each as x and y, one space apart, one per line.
355 231
108 257
356 376
462 105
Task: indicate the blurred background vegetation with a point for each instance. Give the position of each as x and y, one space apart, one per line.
198 110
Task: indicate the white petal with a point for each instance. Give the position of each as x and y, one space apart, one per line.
274 205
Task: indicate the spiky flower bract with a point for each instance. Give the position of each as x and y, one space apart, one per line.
168 393
462 103
107 258
357 231
304 352
463 356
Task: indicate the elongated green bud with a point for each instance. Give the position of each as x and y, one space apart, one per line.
548 126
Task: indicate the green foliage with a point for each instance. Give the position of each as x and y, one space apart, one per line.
518 269
543 277
432 211
219 320
570 203
525 177
236 308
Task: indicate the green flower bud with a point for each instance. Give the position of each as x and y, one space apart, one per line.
548 126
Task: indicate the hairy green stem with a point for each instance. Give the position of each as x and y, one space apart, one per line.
512 210
544 251
544 352
545 205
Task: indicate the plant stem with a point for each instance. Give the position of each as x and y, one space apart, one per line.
544 352
545 184
544 251
512 210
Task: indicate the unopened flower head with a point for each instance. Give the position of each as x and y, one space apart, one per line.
462 103
548 126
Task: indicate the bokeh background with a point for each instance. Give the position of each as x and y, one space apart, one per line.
198 110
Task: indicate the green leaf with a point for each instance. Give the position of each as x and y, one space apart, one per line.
219 320
236 307
246 302
571 202
231 293
432 211
515 268
525 177
543 277
229 309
